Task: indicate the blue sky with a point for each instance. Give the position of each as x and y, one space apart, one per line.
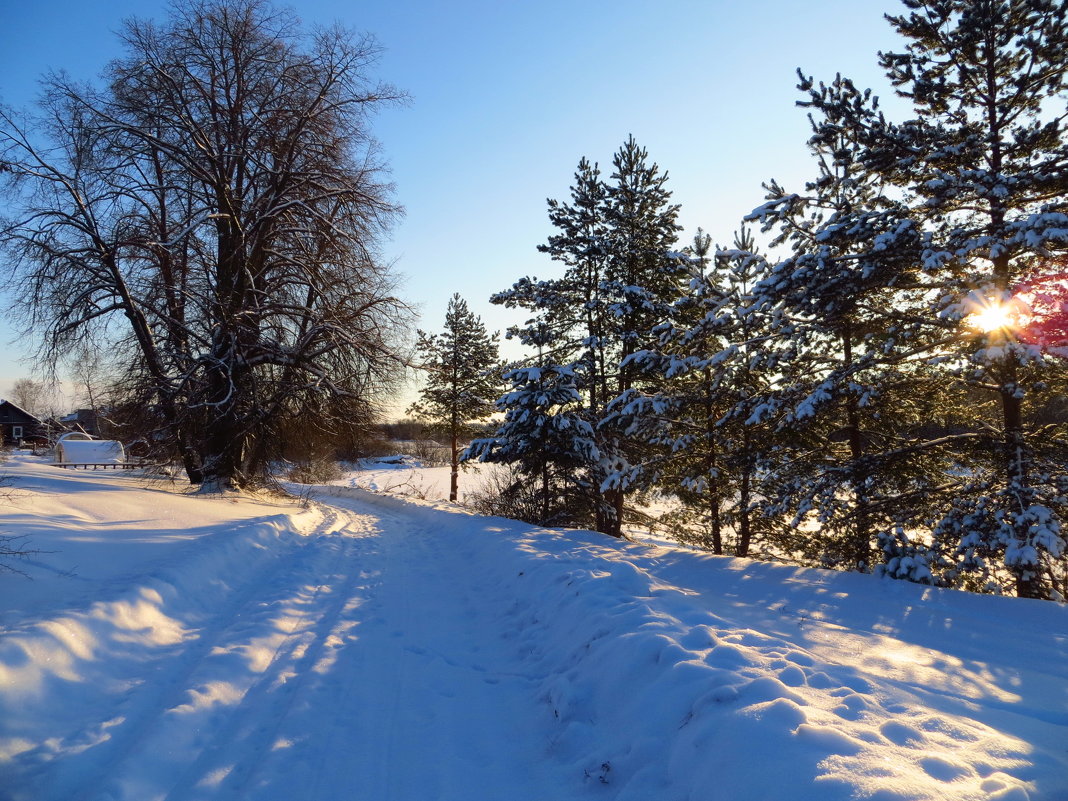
507 96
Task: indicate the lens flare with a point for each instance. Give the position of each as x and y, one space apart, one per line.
1035 314
994 317
1047 325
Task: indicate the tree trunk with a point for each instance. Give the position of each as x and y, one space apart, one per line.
615 499
614 521
545 494
1028 584
712 468
188 454
859 547
223 438
454 475
1028 581
745 532
227 384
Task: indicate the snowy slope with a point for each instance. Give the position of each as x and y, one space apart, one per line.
176 647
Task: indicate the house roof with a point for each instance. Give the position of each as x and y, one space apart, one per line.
78 415
7 406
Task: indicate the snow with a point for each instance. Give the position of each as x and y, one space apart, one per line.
406 475
74 436
76 451
172 646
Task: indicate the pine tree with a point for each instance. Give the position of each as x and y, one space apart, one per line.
463 379
744 375
678 416
573 356
577 318
978 174
546 438
988 81
644 276
614 239
694 411
850 334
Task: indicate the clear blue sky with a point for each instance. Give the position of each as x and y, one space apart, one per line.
508 95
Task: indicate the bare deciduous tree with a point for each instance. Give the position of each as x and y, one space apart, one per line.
213 214
32 396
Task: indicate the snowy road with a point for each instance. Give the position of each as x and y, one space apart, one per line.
360 665
418 693
174 648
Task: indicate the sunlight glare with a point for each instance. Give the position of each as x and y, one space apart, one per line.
993 317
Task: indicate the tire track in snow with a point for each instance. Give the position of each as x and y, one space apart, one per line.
254 722
428 701
383 702
99 772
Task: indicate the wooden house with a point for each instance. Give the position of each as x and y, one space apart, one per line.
85 420
17 425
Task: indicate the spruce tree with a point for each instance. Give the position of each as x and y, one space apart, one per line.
977 181
463 379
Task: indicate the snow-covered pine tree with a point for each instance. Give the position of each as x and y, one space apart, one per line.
567 331
977 178
575 307
644 276
545 437
620 279
851 331
463 379
664 416
983 165
744 374
694 413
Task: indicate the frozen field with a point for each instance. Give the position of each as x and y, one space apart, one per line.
407 476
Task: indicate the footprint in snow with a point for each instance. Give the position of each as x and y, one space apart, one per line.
942 769
900 733
792 676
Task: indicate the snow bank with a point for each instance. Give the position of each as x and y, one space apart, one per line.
666 673
151 566
660 696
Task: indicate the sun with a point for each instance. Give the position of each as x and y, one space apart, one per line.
990 315
994 317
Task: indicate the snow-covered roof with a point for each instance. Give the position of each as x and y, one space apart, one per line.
95 451
74 435
19 408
